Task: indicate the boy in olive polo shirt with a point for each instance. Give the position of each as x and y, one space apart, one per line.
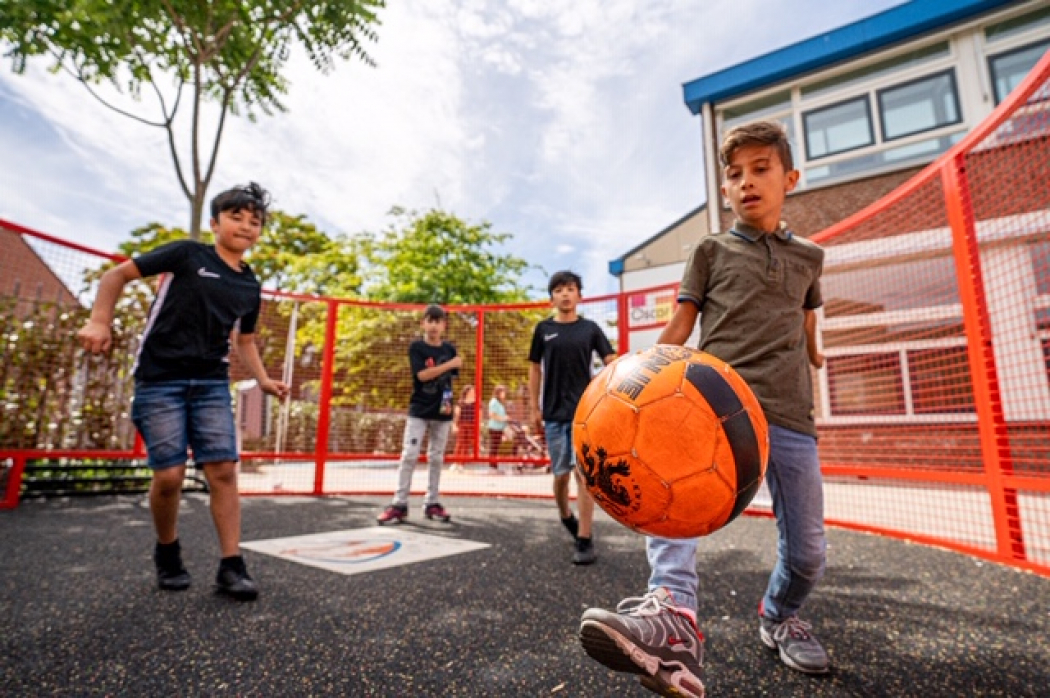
754 288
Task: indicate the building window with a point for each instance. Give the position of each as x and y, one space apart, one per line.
920 105
866 384
1017 25
868 73
755 109
940 381
1010 68
838 128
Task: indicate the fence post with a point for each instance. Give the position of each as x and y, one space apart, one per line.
14 482
623 332
991 422
479 383
324 413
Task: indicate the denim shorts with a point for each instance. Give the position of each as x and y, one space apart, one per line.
174 415
559 446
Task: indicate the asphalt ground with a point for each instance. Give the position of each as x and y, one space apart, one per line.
80 614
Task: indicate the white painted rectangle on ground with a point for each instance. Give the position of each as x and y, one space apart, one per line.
364 549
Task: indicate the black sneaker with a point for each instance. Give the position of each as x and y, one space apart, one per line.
584 553
233 579
171 574
649 636
436 511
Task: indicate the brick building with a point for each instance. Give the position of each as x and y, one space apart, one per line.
867 106
24 275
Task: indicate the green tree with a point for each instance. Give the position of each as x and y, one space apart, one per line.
437 257
293 255
429 257
229 53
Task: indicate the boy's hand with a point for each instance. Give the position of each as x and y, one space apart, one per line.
536 418
456 362
95 337
276 388
817 359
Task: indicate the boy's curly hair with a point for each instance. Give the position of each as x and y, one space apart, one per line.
757 133
251 197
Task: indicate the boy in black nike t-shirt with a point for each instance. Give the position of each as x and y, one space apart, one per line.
560 358
182 386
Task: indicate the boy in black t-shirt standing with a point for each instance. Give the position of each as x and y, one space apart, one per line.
182 385
434 363
560 358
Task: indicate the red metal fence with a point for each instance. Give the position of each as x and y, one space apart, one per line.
933 407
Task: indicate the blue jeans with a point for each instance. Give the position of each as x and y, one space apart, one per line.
559 446
175 415
796 486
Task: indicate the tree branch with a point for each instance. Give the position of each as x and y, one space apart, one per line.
78 75
180 24
227 96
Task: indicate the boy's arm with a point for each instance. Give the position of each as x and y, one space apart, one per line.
429 374
681 325
535 412
96 336
816 358
249 354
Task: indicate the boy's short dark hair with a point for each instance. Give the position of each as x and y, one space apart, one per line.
562 278
757 133
434 312
251 197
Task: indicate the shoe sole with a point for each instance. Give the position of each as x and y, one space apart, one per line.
173 587
771 643
585 561
237 595
442 519
613 650
174 584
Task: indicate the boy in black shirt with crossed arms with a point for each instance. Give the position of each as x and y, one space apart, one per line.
434 363
182 385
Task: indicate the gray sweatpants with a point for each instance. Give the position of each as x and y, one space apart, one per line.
415 430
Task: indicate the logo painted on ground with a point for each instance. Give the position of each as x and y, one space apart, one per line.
362 550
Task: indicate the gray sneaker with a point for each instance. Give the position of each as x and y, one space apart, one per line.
649 636
798 648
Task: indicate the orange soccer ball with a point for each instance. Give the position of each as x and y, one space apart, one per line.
671 441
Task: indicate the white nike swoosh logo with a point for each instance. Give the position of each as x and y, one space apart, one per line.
549 337
203 271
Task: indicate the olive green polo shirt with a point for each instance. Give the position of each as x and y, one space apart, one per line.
752 289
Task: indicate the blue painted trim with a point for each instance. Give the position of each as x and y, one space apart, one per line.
863 36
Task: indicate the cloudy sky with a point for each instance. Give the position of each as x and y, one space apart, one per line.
560 123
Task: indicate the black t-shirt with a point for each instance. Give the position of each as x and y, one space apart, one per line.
565 349
431 399
199 302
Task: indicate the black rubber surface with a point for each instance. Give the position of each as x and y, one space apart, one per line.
80 614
